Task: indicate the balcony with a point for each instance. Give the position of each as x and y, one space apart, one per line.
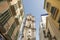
21 12
16 35
13 10
4 17
17 21
19 3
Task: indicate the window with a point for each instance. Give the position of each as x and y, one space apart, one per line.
16 6
21 12
54 38
16 20
54 12
19 2
1 0
12 29
59 20
30 26
13 10
44 3
48 6
59 23
4 17
42 24
28 38
33 21
29 31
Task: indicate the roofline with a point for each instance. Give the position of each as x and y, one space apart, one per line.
44 14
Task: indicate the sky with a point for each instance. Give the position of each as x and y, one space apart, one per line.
34 7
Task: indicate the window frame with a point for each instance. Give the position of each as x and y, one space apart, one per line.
54 11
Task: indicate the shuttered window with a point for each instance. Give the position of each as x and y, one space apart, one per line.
4 17
53 10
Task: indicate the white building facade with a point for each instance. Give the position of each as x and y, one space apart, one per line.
43 27
29 28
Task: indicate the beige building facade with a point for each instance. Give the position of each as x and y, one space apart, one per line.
11 16
29 28
53 20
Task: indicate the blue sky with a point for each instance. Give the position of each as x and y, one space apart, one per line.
35 7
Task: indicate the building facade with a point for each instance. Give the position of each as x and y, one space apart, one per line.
42 27
53 20
29 28
11 16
